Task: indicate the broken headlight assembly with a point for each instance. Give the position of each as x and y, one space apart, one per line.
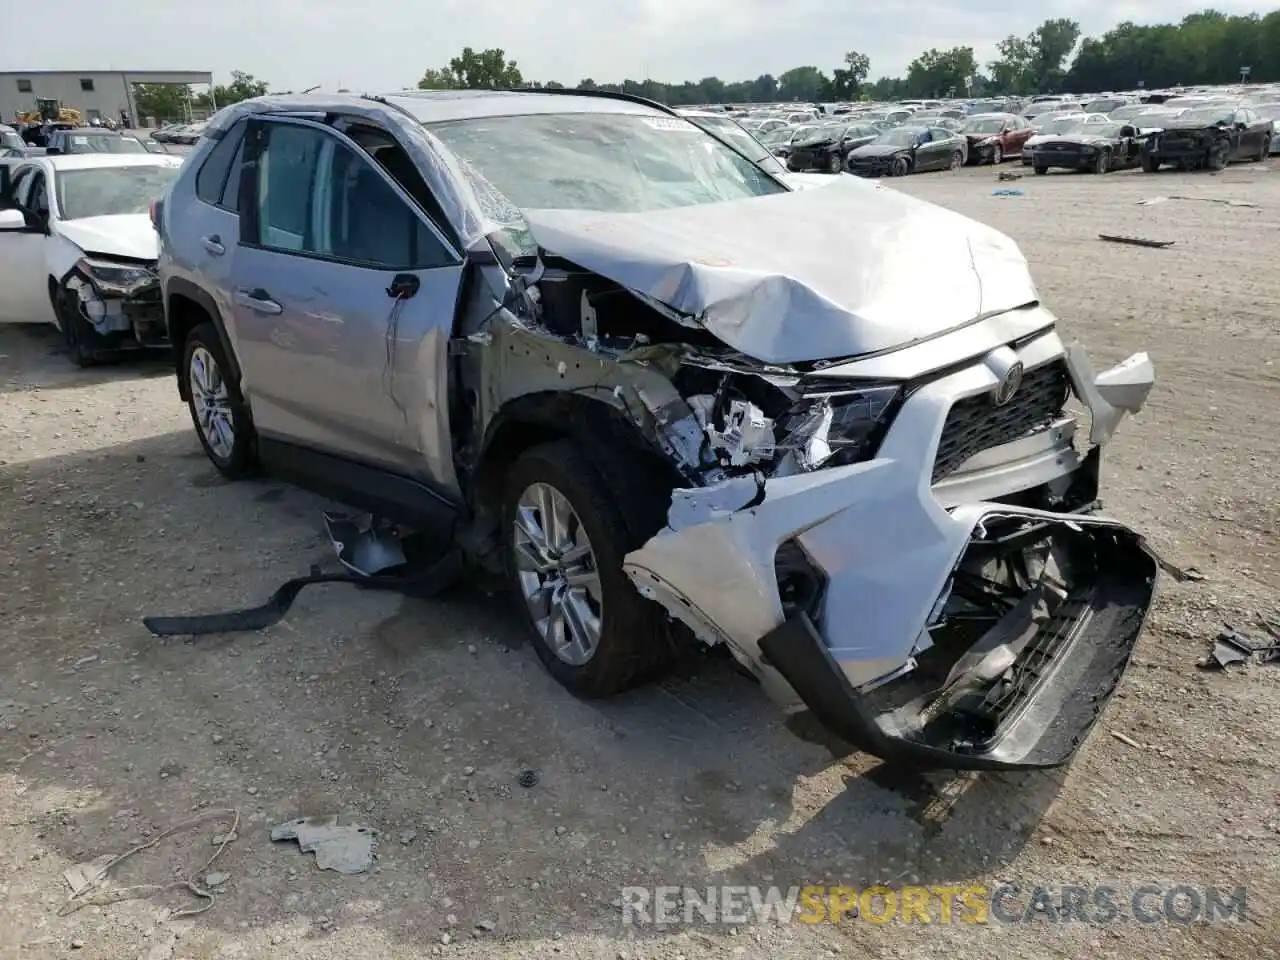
115 279
833 427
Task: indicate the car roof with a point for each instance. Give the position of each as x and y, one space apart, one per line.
441 105
96 161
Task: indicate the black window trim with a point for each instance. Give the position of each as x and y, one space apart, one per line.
250 228
242 126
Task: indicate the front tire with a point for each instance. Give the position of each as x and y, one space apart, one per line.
218 410
997 155
566 533
1103 163
956 162
1150 164
77 334
834 165
1263 152
900 167
1041 171
1217 158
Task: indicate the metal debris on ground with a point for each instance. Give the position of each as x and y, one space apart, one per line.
88 881
364 545
1008 175
1232 646
528 778
1135 241
346 848
1124 738
1152 201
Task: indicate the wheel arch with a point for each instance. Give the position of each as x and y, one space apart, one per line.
186 306
615 445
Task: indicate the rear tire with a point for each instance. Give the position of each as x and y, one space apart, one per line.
956 162
632 635
218 410
1263 152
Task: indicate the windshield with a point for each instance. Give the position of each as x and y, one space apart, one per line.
741 140
1208 115
984 125
107 191
102 143
612 163
901 137
859 130
1062 125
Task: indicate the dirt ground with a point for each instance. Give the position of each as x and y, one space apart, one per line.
417 718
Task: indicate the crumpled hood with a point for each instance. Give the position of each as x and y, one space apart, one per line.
121 235
1085 138
808 275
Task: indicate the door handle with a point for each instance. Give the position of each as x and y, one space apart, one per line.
214 245
259 301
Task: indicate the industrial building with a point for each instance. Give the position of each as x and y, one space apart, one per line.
95 93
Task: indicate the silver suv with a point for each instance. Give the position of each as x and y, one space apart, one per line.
669 397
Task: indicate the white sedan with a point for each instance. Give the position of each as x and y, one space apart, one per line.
77 248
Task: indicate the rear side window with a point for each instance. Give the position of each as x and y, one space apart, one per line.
214 175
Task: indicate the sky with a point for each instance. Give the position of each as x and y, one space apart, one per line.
379 45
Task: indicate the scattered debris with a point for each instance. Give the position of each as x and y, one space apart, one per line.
1006 192
346 848
1123 738
528 778
408 837
216 878
1191 573
364 545
1135 241
1006 175
487 926
1152 201
1232 646
88 881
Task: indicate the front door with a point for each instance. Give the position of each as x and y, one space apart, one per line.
24 277
343 302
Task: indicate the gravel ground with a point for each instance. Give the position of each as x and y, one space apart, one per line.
417 717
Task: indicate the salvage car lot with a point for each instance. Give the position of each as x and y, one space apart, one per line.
418 717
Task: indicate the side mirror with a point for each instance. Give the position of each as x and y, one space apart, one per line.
13 221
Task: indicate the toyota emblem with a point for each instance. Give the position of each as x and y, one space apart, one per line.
1008 385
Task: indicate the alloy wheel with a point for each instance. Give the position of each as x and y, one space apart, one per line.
557 573
212 403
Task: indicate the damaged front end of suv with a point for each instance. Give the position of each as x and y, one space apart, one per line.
881 503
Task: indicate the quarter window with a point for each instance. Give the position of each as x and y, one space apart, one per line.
214 176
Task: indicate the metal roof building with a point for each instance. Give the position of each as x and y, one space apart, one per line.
95 93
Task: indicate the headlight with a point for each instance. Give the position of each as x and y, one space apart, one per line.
989 142
1087 149
121 279
838 426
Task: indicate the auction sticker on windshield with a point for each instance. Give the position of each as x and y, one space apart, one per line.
665 123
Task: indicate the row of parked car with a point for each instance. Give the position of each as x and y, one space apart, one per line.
65 139
1099 134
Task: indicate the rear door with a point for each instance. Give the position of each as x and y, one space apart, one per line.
343 296
24 277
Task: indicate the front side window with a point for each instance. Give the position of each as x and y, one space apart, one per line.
110 191
611 163
317 196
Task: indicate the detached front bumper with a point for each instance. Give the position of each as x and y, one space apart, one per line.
855 592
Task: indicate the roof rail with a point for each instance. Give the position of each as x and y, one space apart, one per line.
602 94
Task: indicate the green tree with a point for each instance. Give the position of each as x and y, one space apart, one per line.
803 83
438 80
243 86
1012 72
471 70
847 81
941 73
164 101
1050 44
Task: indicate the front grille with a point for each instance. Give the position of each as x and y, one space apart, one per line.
976 423
1009 693
1060 147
